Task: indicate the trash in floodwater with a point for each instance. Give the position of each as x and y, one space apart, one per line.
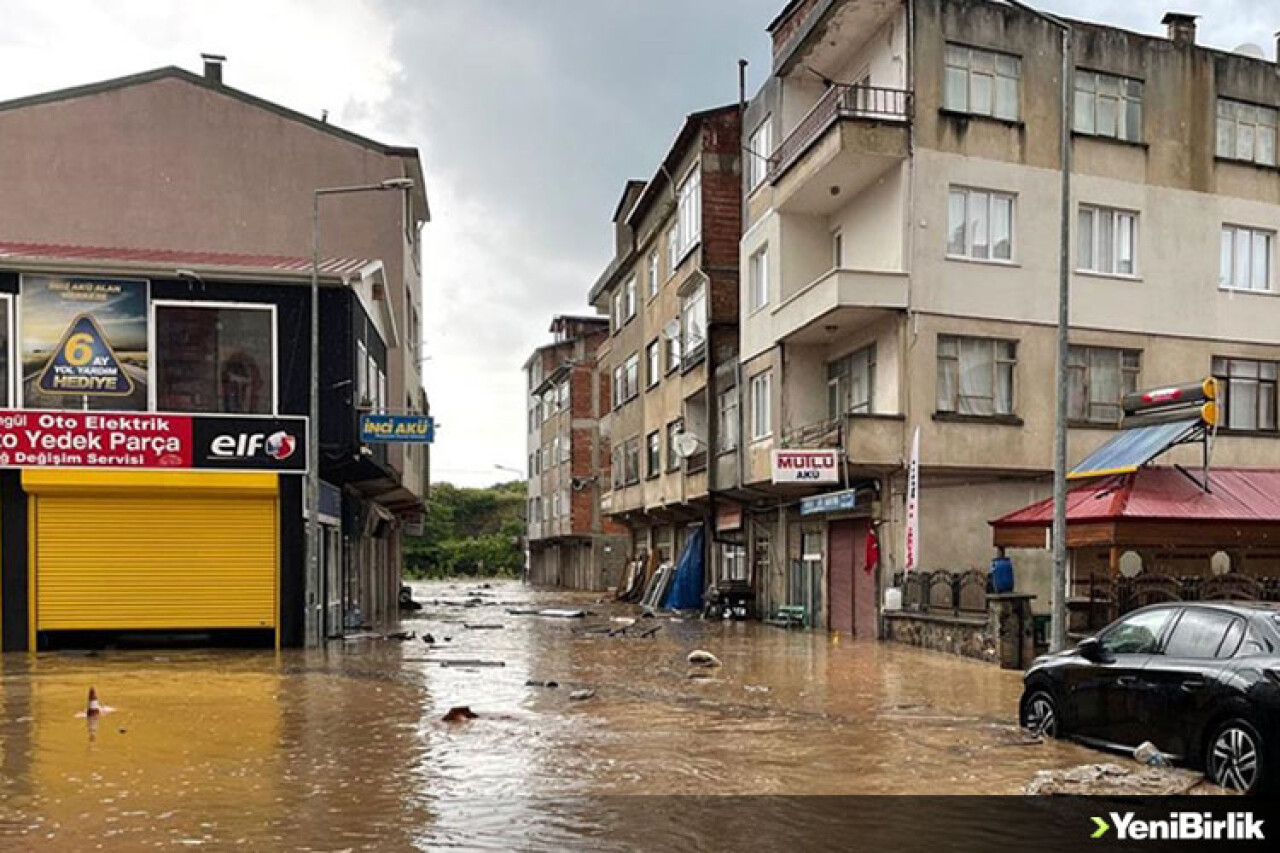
559 613
523 611
402 635
533 682
93 708
698 657
1113 780
580 695
474 627
649 632
1148 754
757 688
625 620
465 662
428 639
460 713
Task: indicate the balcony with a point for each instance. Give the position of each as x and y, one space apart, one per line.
868 440
840 302
852 136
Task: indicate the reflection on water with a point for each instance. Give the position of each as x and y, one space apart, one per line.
345 748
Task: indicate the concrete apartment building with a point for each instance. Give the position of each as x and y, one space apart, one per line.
671 295
571 543
196 198
900 269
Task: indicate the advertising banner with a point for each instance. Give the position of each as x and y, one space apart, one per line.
84 343
397 429
128 440
911 550
806 466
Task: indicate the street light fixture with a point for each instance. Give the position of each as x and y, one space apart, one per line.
314 606
510 470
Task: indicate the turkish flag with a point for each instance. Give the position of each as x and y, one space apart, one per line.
873 551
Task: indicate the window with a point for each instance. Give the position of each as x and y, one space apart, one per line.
532 470
220 358
761 405
1246 132
673 354
673 250
980 225
562 395
1136 635
653 369
733 561
653 454
555 450
617 316
1245 260
837 249
693 324
981 82
1202 634
618 469
1097 380
688 213
6 335
673 459
631 452
727 435
975 376
1107 241
652 274
850 383
566 450
758 279
1248 393
619 386
759 150
1108 106
629 298
631 377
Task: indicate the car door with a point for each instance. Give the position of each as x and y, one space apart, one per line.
1102 695
1182 683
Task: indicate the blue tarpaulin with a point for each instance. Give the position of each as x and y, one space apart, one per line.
686 590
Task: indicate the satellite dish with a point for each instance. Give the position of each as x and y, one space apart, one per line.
1251 50
686 444
671 330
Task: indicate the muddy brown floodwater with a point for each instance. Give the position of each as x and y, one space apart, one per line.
345 748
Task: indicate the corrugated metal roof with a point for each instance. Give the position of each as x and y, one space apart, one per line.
44 253
1164 494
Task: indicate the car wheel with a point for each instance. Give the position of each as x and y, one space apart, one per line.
1234 757
1040 714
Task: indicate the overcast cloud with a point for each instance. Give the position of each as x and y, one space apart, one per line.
530 115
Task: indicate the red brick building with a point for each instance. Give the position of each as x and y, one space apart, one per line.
571 543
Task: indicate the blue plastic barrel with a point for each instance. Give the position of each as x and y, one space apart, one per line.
1002 575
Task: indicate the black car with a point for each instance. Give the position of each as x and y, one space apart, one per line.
1200 681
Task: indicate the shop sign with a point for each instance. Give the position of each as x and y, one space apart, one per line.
84 342
806 466
138 441
833 502
728 518
397 429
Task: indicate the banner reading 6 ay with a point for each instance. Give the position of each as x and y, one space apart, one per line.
84 343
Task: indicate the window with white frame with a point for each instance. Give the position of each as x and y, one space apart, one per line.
562 396
673 250
693 324
532 471
980 225
759 150
653 454
1097 380
631 377
733 562
652 362
566 450
758 278
6 339
1246 132
981 82
674 428
618 386
629 298
1107 105
761 405
689 212
221 358
727 434
631 460
652 274
851 383
362 377
1245 260
673 354
555 449
616 316
1107 240
1247 393
975 375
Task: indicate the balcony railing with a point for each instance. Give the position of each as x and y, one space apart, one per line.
840 101
823 435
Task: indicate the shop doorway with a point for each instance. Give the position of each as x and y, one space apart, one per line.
852 589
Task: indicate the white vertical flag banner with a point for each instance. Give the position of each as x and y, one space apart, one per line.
911 551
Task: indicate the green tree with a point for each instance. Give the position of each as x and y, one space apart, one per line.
473 532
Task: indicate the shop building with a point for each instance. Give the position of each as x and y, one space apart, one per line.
671 295
571 543
156 317
900 270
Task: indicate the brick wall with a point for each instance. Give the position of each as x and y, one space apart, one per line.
722 212
792 25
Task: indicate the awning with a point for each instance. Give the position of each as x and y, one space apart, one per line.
1133 448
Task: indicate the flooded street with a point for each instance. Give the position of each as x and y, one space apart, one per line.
345 749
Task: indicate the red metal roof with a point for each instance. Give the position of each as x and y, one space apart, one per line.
1164 494
46 253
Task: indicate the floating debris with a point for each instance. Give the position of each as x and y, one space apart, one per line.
460 714
475 627
476 662
581 695
698 657
533 682
562 613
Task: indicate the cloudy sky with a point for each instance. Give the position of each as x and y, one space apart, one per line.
530 115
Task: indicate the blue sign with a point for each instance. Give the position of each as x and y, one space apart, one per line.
397 429
832 502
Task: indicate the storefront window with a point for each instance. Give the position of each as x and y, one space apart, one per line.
215 359
5 337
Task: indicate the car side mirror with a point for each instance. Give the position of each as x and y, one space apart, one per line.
1091 650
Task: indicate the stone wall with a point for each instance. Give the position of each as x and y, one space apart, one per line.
1004 636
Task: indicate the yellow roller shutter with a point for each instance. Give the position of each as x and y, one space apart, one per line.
151 553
